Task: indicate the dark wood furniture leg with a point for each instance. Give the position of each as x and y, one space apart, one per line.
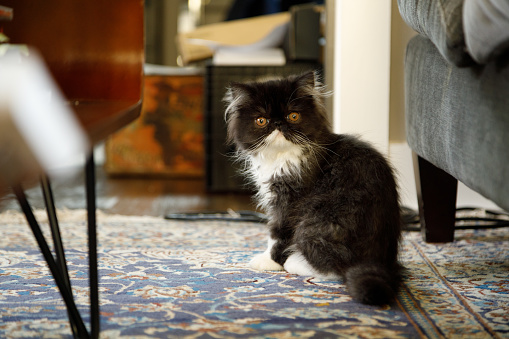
436 194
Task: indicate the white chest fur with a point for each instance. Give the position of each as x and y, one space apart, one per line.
277 157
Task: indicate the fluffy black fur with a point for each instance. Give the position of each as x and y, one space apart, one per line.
338 205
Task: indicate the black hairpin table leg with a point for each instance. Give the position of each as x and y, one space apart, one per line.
55 229
58 266
92 246
57 239
75 319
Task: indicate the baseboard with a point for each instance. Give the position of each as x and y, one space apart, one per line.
400 156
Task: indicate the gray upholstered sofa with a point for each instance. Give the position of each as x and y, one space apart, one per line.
457 104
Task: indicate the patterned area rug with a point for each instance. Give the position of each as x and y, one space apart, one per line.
175 279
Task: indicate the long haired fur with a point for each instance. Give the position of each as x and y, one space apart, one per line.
332 199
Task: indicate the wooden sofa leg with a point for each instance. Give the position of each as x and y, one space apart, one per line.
436 194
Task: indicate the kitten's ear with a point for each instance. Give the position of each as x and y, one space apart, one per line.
307 79
235 94
310 83
234 91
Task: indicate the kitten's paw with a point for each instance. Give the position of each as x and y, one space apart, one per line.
263 262
297 264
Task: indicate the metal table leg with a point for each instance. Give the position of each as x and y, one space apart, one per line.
75 319
58 266
92 246
57 239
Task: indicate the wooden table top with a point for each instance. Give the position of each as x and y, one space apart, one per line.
94 50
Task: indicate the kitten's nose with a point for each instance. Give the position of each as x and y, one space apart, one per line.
278 124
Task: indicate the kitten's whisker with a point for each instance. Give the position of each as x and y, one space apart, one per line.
304 96
313 153
290 97
258 144
295 90
312 146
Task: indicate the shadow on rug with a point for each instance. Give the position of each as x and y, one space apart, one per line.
161 278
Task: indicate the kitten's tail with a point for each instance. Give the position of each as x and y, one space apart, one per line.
372 284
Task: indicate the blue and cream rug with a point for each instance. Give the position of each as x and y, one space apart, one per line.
175 279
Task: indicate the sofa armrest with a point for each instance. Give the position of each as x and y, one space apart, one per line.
486 26
441 22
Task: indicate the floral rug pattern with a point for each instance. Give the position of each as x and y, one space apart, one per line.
175 279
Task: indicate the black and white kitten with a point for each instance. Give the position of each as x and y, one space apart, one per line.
331 199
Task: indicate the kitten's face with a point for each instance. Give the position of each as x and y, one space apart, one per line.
265 111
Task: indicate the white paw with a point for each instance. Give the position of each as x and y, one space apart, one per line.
263 262
297 264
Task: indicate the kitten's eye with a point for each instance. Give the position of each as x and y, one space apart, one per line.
261 122
293 117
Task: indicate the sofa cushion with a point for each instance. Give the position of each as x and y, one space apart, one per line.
486 26
458 118
441 22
